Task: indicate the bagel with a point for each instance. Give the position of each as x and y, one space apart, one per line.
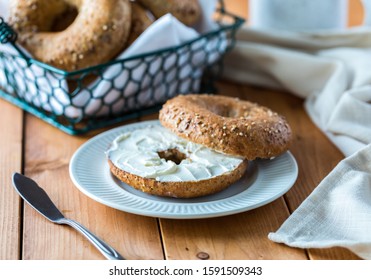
141 19
227 125
97 34
186 11
158 162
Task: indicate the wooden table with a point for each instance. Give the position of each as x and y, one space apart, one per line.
37 149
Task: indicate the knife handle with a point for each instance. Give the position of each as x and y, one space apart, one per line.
104 248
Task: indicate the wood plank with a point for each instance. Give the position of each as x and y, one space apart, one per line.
11 126
47 155
335 253
240 236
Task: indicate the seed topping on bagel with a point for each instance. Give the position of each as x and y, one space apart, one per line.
227 125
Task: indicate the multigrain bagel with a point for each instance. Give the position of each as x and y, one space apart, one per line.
97 34
141 19
186 11
227 125
156 161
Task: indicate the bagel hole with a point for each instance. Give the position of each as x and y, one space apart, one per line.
223 110
64 20
173 155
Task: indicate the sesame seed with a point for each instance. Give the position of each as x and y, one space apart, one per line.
74 57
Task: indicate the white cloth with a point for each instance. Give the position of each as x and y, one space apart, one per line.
337 213
331 70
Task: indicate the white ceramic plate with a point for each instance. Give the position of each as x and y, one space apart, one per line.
264 181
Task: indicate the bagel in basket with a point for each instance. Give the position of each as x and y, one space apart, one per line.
186 11
141 19
97 34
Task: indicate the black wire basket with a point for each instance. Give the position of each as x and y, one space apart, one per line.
80 101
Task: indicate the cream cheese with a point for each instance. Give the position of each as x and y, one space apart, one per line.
137 151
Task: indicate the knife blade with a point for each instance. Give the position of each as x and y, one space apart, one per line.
38 199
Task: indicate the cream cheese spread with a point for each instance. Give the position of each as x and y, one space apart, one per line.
137 152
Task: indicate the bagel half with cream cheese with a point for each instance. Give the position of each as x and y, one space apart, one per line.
154 160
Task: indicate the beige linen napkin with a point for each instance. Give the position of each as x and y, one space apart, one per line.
337 213
332 71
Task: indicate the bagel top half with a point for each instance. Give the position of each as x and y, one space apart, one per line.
228 125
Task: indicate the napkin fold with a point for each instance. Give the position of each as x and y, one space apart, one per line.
337 213
330 70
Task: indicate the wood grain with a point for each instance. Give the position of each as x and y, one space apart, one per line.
11 126
241 236
47 155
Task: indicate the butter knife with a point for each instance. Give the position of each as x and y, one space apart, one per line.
30 191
